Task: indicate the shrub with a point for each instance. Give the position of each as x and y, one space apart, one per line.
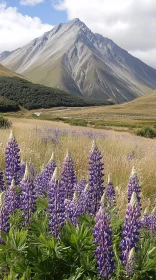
4 123
147 132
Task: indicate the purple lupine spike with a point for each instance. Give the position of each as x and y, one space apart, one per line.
103 238
42 180
73 209
110 193
68 178
131 262
2 187
133 186
152 221
12 198
130 235
80 186
84 199
12 160
56 208
39 183
4 216
96 178
49 170
145 219
22 169
28 195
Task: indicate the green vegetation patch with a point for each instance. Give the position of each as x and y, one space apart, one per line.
34 96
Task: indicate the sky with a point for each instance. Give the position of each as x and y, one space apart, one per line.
129 23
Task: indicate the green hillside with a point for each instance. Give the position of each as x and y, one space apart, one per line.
8 105
33 96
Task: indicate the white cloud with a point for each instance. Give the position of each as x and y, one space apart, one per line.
31 2
129 23
16 30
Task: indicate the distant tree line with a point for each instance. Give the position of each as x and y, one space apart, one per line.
34 96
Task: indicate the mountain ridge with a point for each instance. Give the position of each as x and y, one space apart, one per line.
72 58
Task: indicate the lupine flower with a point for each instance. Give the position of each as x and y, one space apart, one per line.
12 160
84 199
28 196
2 187
152 221
42 180
73 209
145 219
131 262
103 238
96 178
80 186
68 178
49 170
4 216
22 169
11 198
130 229
110 193
56 208
133 186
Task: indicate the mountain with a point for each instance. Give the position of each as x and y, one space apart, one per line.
7 73
33 96
72 58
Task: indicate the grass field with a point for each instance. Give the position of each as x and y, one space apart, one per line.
129 116
120 151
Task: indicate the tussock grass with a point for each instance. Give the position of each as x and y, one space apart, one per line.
115 148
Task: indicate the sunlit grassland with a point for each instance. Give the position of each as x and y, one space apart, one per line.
115 147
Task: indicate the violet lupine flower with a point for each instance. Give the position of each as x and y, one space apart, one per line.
22 169
4 216
130 235
96 178
56 208
145 219
80 186
42 180
12 198
39 183
2 187
28 195
110 193
12 160
133 186
73 209
84 199
49 170
103 238
131 262
152 221
68 177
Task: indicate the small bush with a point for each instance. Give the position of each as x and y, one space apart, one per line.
4 123
147 132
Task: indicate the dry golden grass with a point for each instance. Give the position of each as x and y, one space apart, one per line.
114 147
141 109
7 73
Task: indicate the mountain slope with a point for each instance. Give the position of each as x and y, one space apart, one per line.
74 59
7 73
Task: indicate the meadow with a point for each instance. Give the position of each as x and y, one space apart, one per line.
121 151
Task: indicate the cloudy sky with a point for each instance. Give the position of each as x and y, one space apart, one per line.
129 23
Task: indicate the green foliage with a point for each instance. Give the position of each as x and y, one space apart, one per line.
33 96
4 122
147 132
7 105
33 254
